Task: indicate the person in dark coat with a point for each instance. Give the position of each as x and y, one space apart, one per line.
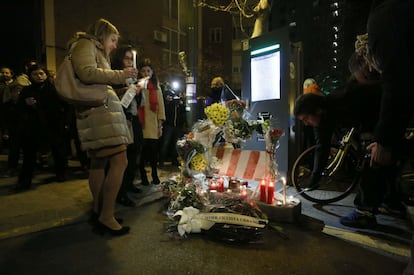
9 125
387 48
174 125
389 51
42 120
122 58
219 92
358 106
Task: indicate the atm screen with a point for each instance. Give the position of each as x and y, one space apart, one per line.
265 74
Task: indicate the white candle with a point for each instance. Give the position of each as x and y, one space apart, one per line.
134 59
284 189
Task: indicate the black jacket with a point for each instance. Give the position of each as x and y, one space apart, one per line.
175 113
358 105
390 31
49 118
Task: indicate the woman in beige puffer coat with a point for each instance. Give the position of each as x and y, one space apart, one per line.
103 130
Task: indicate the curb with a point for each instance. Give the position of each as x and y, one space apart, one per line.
395 248
26 224
47 219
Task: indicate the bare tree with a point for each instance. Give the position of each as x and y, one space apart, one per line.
256 9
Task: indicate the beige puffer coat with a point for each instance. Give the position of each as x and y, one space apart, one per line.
106 125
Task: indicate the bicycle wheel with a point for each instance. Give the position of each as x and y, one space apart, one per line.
331 188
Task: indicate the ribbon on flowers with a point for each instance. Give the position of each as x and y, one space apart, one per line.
193 221
231 218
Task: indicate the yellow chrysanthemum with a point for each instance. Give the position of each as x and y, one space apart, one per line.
199 162
217 113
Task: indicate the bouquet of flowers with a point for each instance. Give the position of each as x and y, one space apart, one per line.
192 155
236 129
271 137
236 106
182 194
206 133
217 113
223 216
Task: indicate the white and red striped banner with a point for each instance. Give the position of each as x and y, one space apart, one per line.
245 164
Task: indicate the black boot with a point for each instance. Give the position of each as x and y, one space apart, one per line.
143 174
144 178
154 175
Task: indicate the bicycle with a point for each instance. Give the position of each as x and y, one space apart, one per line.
340 176
343 170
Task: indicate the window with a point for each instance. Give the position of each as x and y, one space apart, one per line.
215 35
170 8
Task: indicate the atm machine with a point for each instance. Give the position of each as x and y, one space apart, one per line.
272 80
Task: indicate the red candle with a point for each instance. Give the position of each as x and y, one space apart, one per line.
213 186
270 192
220 186
263 195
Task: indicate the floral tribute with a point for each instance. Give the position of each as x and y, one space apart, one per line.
198 201
271 136
217 113
236 128
224 216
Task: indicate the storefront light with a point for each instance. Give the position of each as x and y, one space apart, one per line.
175 85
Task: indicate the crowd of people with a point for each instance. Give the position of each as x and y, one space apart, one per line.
114 141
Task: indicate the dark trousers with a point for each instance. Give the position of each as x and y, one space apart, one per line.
149 154
170 135
377 185
30 146
14 151
29 161
133 155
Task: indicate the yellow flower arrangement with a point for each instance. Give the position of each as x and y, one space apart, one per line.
199 162
217 113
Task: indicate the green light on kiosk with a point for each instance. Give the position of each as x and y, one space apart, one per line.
266 49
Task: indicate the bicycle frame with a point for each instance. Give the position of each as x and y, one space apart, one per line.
334 185
339 157
343 170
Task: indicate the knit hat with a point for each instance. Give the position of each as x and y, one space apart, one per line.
310 86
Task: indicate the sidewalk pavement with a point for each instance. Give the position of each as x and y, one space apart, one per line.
54 204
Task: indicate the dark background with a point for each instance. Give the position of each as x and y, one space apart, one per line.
21 33
23 37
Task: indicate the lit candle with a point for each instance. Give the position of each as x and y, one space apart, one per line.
263 196
270 192
220 186
213 186
284 189
134 59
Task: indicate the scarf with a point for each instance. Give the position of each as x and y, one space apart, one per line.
153 101
153 98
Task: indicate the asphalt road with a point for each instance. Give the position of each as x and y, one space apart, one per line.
299 248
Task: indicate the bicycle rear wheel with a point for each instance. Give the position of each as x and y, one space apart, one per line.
331 188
